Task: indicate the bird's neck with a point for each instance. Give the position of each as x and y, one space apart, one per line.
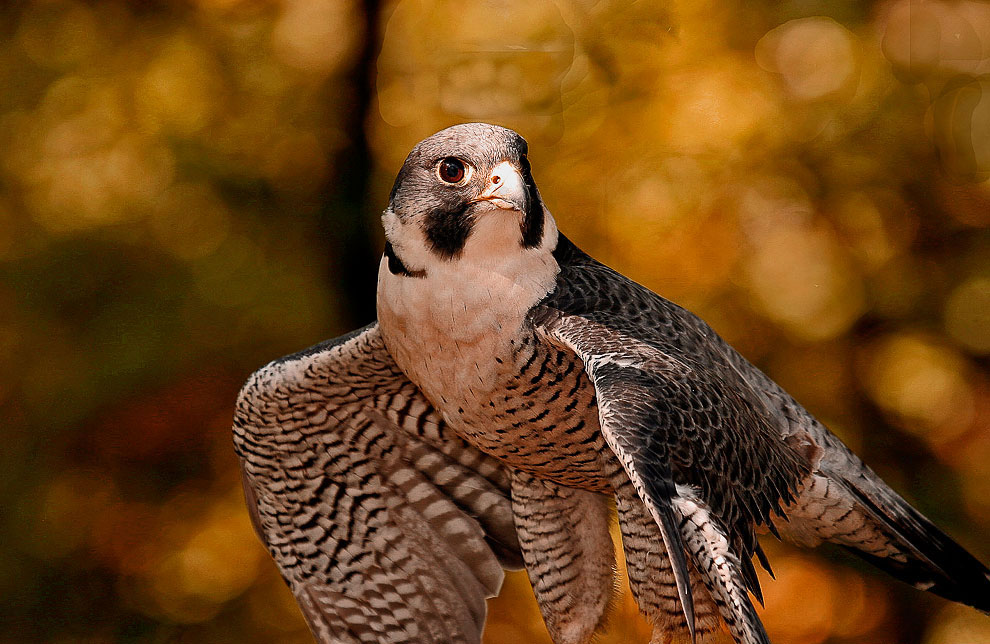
466 311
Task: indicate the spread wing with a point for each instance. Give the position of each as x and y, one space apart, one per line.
698 443
386 526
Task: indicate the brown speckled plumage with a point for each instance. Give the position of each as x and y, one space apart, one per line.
511 387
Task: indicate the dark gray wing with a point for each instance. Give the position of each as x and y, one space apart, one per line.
386 526
839 499
684 423
846 503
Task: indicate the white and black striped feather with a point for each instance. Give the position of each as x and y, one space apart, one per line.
386 527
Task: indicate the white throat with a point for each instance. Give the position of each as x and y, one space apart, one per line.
447 327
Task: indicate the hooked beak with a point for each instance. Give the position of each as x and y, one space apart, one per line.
505 188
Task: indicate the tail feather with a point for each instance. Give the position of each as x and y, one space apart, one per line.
861 513
933 561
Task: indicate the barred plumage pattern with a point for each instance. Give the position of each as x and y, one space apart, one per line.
651 578
513 386
541 417
386 526
568 551
768 462
718 566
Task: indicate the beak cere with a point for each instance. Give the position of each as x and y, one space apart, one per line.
505 188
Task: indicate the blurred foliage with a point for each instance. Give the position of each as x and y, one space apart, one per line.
811 177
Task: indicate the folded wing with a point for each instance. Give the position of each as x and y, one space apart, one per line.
700 452
695 424
847 503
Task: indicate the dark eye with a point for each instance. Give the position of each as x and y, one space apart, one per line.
451 170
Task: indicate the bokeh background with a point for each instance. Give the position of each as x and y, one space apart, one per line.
190 189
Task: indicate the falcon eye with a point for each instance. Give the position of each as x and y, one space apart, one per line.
451 170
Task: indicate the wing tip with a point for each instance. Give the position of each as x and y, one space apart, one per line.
678 564
934 558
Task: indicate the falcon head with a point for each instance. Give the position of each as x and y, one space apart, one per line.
466 189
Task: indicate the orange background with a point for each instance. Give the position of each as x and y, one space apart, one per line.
189 189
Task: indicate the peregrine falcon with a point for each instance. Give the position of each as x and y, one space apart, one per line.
510 390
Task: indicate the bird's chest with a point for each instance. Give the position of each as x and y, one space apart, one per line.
471 351
451 334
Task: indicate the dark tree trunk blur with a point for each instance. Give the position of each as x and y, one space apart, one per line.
345 215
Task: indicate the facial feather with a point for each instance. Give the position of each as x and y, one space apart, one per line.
427 213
